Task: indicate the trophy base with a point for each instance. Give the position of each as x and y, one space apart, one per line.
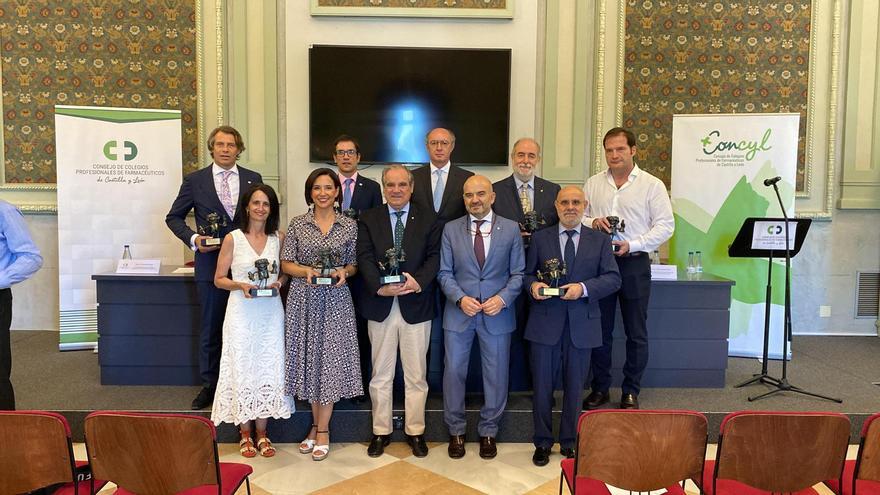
211 242
551 291
323 281
263 292
392 279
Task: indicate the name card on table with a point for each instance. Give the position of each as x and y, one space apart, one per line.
664 272
143 267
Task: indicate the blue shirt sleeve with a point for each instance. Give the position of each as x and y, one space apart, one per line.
19 256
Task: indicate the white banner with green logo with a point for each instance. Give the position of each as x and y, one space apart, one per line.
119 170
719 163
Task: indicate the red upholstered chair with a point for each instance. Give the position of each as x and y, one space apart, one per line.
636 450
862 476
763 452
37 452
159 454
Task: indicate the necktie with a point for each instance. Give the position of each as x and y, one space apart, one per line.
346 193
568 255
524 198
398 230
226 194
479 250
438 189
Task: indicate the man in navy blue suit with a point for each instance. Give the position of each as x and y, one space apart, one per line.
215 189
564 329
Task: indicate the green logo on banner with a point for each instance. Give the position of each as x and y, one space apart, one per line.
710 147
111 150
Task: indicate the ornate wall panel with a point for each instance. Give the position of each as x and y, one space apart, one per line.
713 57
119 53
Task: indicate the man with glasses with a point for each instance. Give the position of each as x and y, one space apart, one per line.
358 192
438 184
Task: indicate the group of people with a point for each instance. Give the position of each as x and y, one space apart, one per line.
488 259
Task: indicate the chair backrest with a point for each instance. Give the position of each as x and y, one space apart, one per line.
152 454
36 451
782 451
868 461
641 450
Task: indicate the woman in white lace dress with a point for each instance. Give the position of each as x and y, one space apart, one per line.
251 383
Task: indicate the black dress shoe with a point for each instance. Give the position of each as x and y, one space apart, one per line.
595 399
567 452
418 445
456 446
629 401
488 448
541 457
378 444
204 399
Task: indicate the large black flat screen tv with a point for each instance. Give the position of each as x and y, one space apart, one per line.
389 98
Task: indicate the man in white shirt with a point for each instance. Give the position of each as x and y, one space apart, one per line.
640 200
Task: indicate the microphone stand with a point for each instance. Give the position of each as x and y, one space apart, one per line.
782 384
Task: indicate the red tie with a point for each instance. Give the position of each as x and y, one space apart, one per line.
479 250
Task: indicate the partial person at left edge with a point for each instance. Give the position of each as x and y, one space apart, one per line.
19 259
214 190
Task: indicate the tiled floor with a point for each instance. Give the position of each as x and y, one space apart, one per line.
348 470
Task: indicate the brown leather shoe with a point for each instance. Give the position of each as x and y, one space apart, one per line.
629 401
488 449
595 399
456 446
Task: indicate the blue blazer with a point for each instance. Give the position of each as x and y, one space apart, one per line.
367 194
594 265
197 193
460 274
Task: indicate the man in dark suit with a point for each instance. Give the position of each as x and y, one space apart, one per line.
438 184
523 191
359 193
564 329
481 267
215 189
398 314
515 195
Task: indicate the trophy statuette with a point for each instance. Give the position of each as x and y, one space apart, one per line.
553 271
324 266
212 230
618 225
260 274
391 267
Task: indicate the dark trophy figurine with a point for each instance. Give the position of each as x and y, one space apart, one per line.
260 274
350 213
532 221
212 230
617 226
391 268
553 271
324 267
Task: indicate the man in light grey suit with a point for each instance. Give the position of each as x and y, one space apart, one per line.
481 271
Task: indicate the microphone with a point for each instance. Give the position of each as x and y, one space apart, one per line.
770 182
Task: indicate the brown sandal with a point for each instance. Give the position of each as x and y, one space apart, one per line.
246 445
264 445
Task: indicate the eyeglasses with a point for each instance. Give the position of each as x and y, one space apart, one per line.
442 144
346 152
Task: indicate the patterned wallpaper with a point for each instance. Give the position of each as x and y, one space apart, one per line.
712 57
460 4
119 53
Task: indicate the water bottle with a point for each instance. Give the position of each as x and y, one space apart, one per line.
655 257
698 260
691 268
126 253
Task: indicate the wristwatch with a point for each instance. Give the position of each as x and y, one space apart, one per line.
458 303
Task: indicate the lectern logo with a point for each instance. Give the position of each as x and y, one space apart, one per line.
774 229
111 150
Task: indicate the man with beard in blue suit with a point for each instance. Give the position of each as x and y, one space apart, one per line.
481 267
211 190
563 329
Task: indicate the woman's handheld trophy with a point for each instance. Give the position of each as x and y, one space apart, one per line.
391 267
260 274
212 230
324 266
553 271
